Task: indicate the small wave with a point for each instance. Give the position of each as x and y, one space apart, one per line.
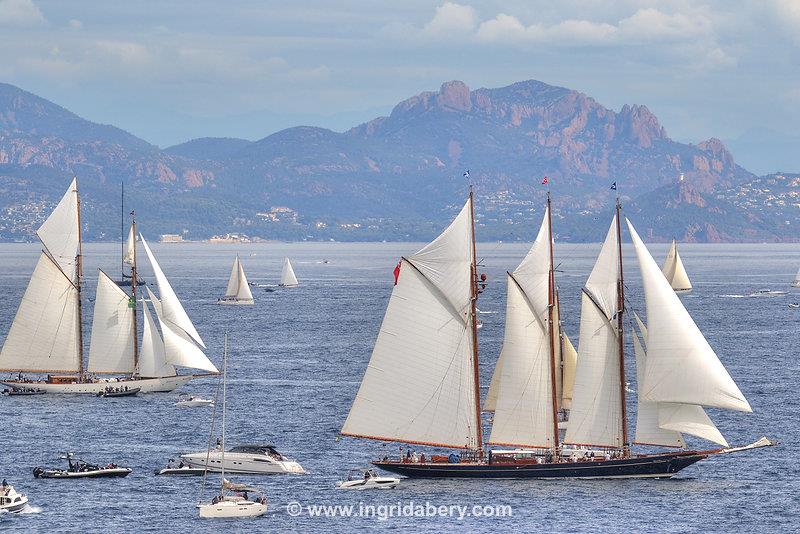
29 509
732 296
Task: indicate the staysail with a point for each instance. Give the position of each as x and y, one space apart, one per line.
288 279
111 348
45 333
180 337
596 416
419 386
523 396
152 356
674 271
681 365
238 287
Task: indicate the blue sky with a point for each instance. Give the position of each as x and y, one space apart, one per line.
170 71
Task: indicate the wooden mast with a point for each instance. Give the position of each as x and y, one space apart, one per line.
620 337
133 302
474 314
551 330
79 272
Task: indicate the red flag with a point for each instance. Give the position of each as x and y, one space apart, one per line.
397 272
544 181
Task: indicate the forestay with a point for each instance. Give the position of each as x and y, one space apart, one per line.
419 384
681 366
111 348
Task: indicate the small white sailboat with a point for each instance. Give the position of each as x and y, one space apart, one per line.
674 270
363 479
232 505
796 282
10 500
288 278
238 291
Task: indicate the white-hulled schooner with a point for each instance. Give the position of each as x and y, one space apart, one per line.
238 290
47 333
421 384
674 271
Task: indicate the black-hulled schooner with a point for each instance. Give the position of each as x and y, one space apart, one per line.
422 387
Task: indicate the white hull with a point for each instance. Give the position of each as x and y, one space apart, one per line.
232 508
243 463
193 403
372 483
11 501
236 302
682 291
146 385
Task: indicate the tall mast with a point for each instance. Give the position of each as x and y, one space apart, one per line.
79 272
122 232
474 313
133 301
620 336
224 394
551 290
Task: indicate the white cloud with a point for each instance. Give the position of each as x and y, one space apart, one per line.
650 24
125 51
451 19
75 24
20 13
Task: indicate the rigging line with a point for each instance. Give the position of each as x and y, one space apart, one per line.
210 437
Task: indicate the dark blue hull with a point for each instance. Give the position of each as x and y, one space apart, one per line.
650 466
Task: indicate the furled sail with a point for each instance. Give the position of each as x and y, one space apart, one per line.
681 366
171 308
60 233
130 248
524 398
237 284
419 383
288 279
596 414
648 431
152 356
111 348
44 334
674 271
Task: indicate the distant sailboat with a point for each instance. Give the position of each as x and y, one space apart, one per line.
421 385
796 282
288 279
674 271
238 291
47 333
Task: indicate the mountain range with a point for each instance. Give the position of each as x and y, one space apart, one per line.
398 177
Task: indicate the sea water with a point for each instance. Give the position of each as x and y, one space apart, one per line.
295 362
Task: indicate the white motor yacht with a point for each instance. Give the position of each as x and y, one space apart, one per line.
363 479
190 401
10 500
250 459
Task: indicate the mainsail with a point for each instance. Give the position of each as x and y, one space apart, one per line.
238 289
111 348
180 336
419 386
681 366
45 335
596 416
523 393
674 271
288 279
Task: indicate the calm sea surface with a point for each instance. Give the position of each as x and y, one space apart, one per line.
297 357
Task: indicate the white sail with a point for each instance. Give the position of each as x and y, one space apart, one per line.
796 282
689 419
288 279
181 350
648 431
44 334
130 248
154 301
419 384
596 414
238 289
60 233
569 362
111 348
681 366
524 398
171 308
152 355
674 271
